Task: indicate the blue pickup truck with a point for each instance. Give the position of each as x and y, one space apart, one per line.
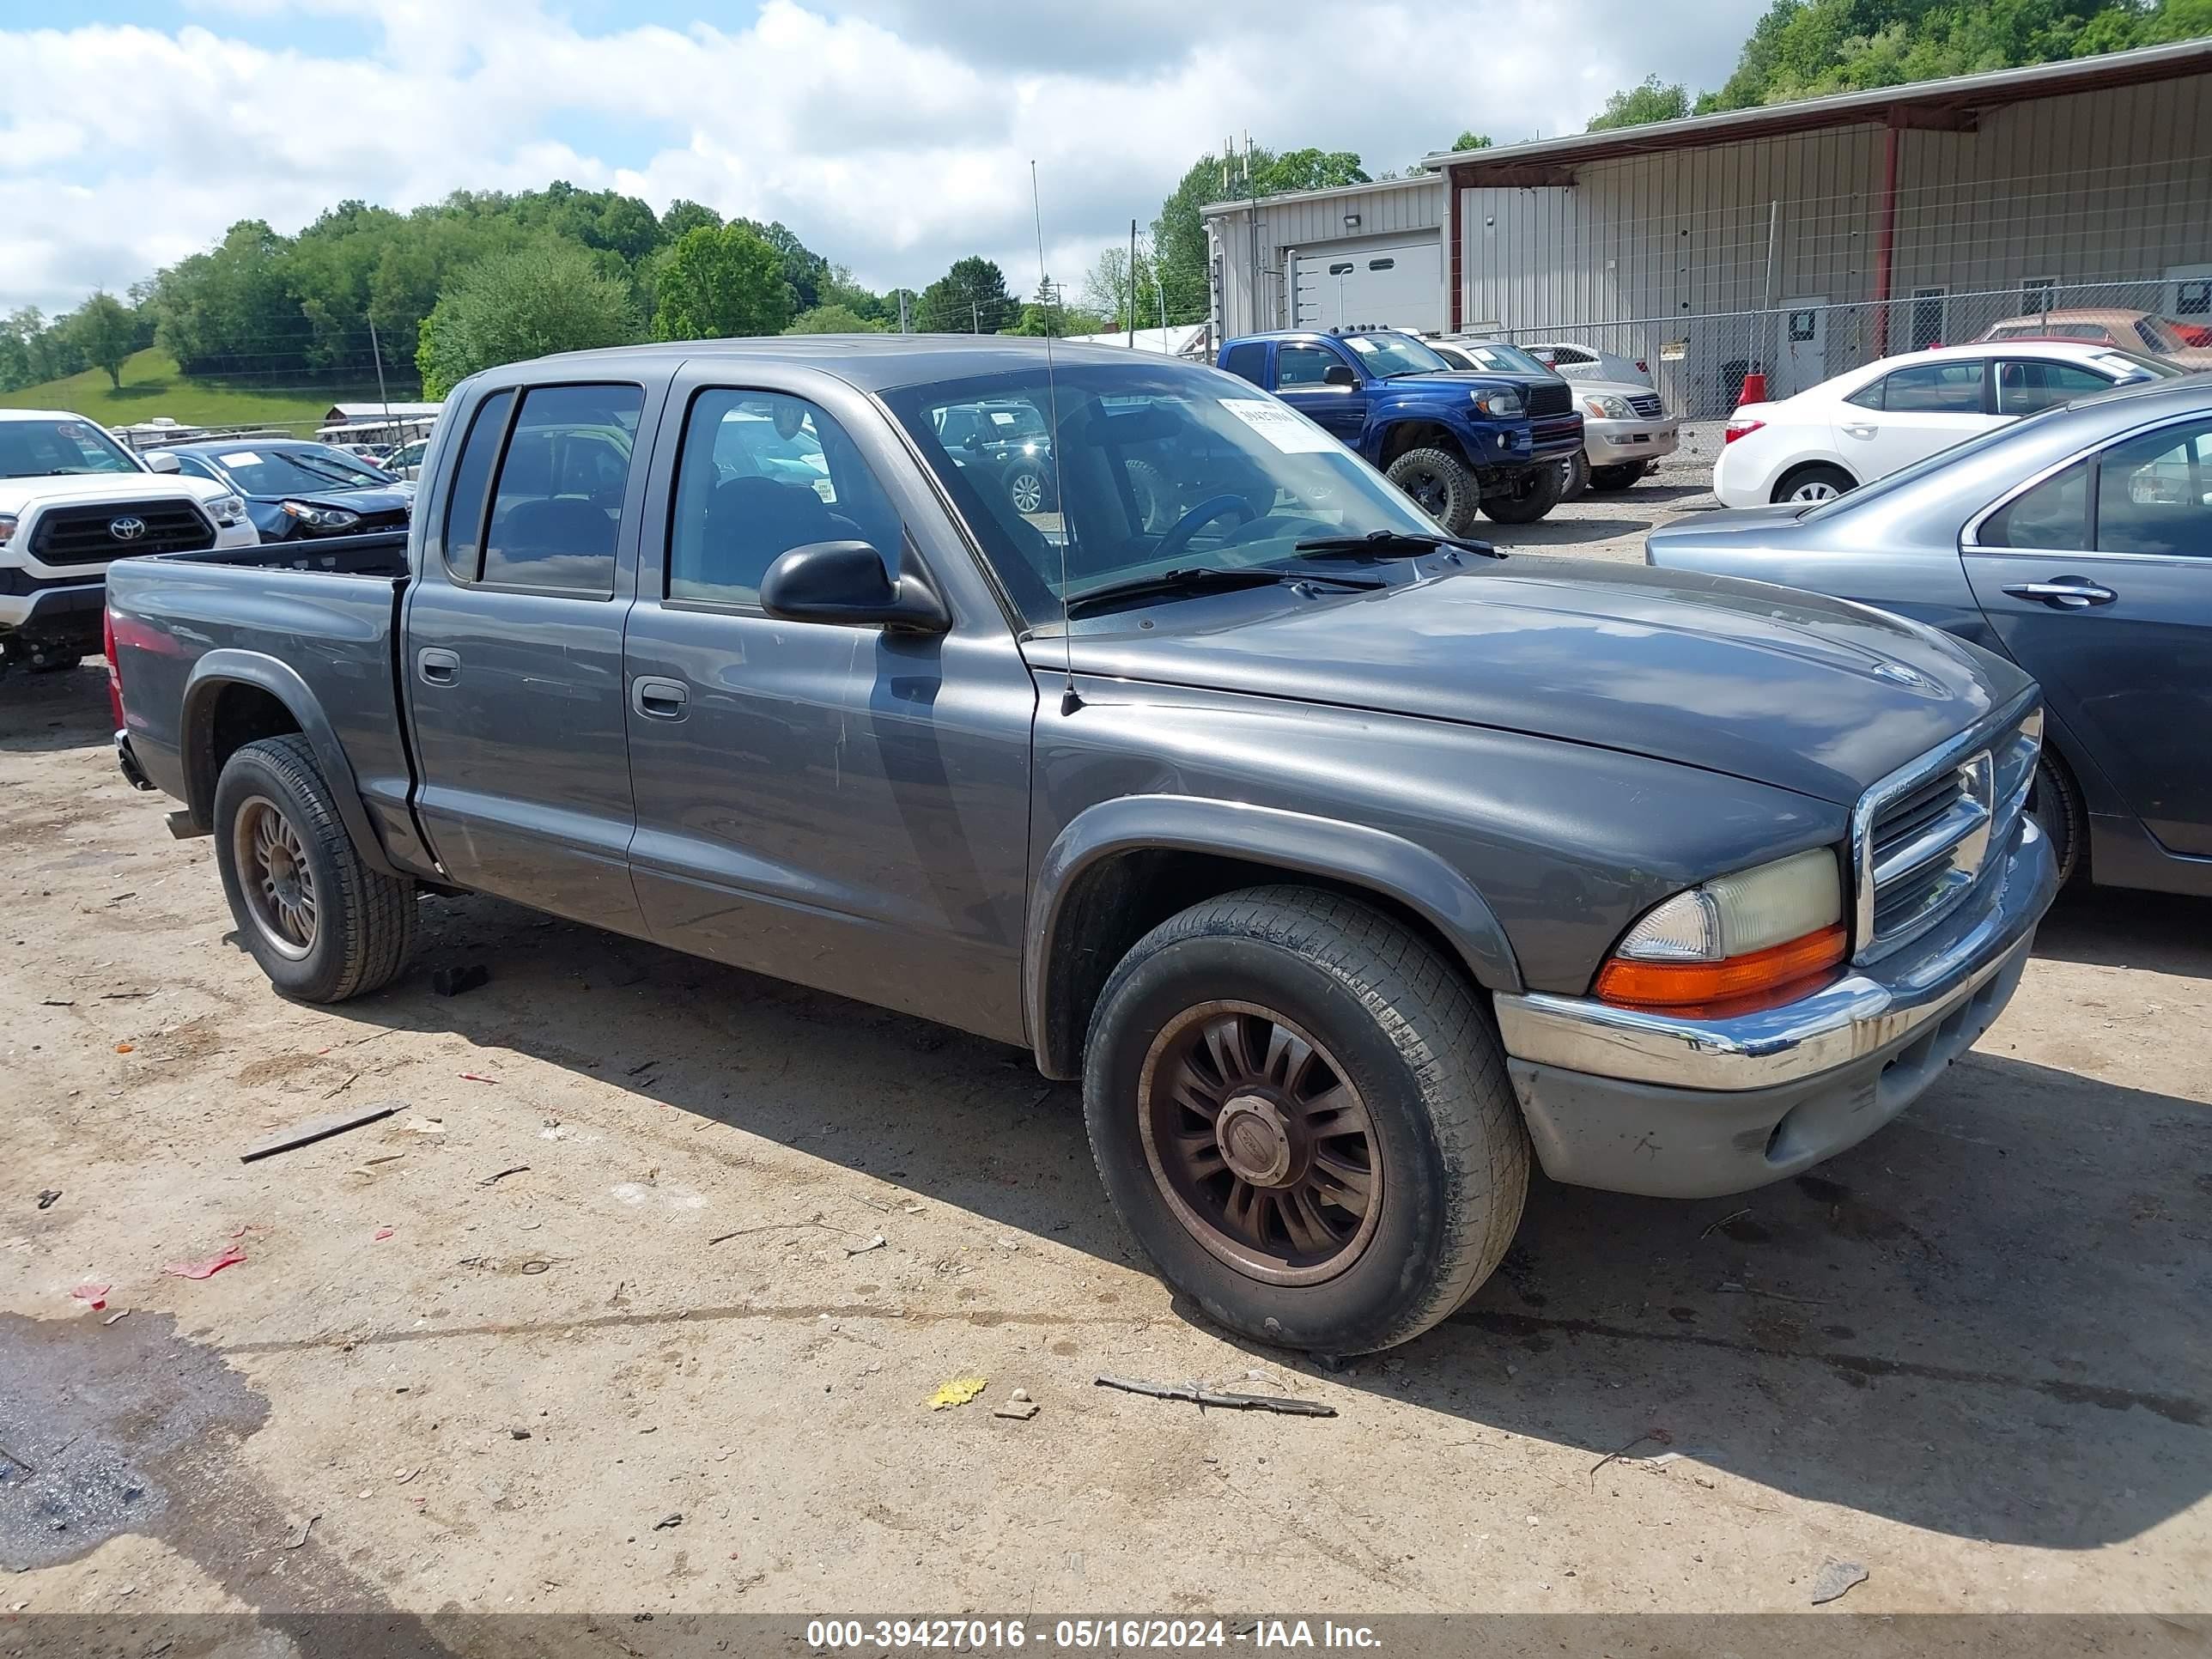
1453 442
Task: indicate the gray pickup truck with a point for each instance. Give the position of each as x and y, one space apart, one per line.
1345 863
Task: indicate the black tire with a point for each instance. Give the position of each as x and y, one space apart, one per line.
1578 476
1805 484
362 922
1525 496
1441 486
1610 480
2055 804
1448 1155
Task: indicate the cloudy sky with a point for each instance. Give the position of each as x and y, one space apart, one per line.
894 136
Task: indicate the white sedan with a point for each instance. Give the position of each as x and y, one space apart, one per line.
1574 361
1870 422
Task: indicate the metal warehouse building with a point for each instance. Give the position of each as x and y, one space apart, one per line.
1798 239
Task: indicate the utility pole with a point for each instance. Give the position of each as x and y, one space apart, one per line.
1252 214
903 326
377 352
1133 284
975 318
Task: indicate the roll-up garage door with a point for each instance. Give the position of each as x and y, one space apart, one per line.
1399 285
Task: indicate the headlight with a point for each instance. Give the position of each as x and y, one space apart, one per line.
8 523
1503 404
1609 409
227 510
319 517
1748 941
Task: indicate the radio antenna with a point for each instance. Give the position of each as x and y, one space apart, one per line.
1069 702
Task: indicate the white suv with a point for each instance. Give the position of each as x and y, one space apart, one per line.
71 499
1870 422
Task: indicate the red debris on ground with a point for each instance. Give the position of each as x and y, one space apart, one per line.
209 1268
383 1233
93 1296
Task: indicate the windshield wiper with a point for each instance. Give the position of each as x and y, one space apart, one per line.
1200 579
1391 544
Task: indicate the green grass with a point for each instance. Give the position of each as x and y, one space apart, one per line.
152 387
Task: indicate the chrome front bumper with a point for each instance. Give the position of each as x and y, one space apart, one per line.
1647 1103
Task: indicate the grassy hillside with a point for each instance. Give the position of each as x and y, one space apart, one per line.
152 387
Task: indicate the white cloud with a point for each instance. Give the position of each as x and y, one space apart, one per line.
893 136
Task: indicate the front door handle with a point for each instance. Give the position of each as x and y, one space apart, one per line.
658 700
1861 431
438 666
2065 594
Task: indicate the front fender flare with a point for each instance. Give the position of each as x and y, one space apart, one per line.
230 667
1355 854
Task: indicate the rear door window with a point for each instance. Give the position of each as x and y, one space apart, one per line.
2023 388
558 508
465 501
2155 493
2053 516
1248 361
1935 389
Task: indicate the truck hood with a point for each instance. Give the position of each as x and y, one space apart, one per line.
15 494
1813 694
369 498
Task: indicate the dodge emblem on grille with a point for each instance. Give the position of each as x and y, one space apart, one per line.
126 530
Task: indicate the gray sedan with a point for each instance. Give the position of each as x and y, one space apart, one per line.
2078 542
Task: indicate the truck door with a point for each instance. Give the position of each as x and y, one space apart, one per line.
512 649
1302 381
843 806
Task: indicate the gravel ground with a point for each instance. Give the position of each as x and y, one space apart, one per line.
648 1238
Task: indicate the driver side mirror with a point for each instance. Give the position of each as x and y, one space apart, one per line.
844 583
1339 375
161 461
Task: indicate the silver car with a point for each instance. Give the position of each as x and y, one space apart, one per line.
1572 359
2077 543
1625 428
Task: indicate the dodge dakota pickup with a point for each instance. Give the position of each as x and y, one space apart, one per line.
1346 864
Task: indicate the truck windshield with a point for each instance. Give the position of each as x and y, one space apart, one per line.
48 449
1385 355
1153 467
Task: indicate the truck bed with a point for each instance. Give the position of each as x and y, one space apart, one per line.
313 624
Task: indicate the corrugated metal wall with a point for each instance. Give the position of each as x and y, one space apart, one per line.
1393 206
2097 186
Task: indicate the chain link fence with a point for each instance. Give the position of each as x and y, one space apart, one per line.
1700 362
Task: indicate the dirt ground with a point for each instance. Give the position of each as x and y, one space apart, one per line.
638 1300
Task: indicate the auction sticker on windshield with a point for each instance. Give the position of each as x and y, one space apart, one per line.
242 458
1285 429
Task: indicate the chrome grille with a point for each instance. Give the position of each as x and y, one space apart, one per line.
1923 836
1647 406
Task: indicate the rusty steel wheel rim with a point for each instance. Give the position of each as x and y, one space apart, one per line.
274 875
1260 1144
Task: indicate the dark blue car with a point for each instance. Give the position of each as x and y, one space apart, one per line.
294 489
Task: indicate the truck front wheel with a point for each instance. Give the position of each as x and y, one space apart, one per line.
322 924
1302 1112
1525 496
1441 486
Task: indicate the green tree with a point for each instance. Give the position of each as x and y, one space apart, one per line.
833 319
547 296
1105 291
717 284
971 298
1179 248
1472 141
1647 101
1059 321
683 216
106 332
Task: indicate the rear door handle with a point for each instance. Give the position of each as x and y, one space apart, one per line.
1861 431
2066 594
658 700
437 666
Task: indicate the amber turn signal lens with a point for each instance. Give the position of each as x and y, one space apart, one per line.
1736 985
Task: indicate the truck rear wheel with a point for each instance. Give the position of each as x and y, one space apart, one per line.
1302 1112
322 924
1525 496
1441 486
